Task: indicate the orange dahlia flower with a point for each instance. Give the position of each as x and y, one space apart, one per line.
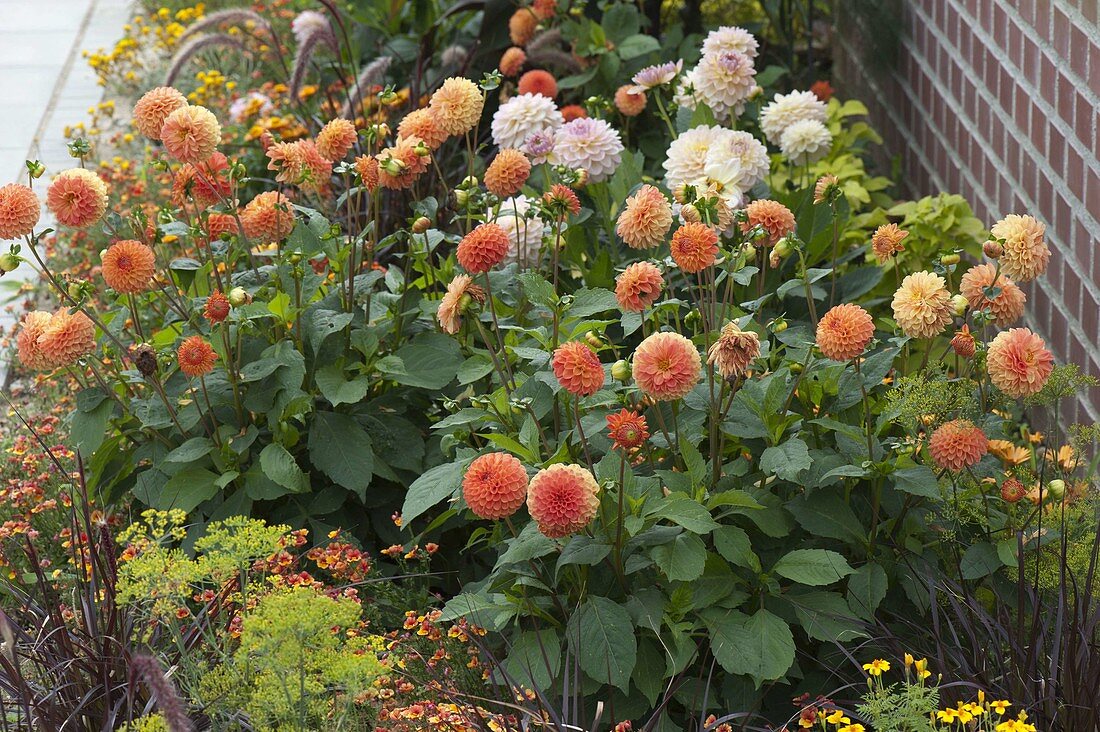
957 445
629 103
367 168
512 61
335 139
1006 305
154 107
216 308
571 112
483 248
627 430
495 485
734 351
563 499
638 287
1019 363
522 26
196 356
129 266
507 173
666 366
301 164
459 293
401 164
30 330
66 337
423 123
457 105
537 81
578 369
922 305
219 224
561 200
844 331
772 216
19 211
205 184
886 241
694 247
645 218
963 343
191 134
268 217
77 198
1025 254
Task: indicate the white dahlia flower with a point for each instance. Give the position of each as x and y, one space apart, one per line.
524 228
786 109
687 155
724 81
589 144
522 115
731 38
805 141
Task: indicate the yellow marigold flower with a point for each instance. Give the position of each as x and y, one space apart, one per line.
1000 706
837 717
876 667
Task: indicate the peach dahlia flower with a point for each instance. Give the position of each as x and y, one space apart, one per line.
957 445
922 305
666 366
844 332
495 485
1019 363
563 499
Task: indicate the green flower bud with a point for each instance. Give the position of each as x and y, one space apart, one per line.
621 371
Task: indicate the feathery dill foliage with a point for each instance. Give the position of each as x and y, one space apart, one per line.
151 723
902 707
1083 437
1065 380
918 396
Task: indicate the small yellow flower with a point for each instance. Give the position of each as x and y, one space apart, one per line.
1000 706
876 667
921 668
852 728
837 717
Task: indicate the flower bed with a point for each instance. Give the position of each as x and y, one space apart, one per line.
620 368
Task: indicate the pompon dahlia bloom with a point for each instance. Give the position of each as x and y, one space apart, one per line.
153 109
806 141
205 184
191 134
734 351
423 123
19 211
77 198
30 330
563 499
457 105
1025 254
537 81
65 337
525 231
571 112
578 369
522 116
628 102
844 332
129 266
562 199
1018 362
773 217
645 219
731 38
367 168
638 287
627 430
1006 306
335 139
686 159
196 356
483 248
886 242
922 305
460 292
666 366
957 445
512 61
588 144
217 307
300 164
963 343
724 80
495 485
268 217
219 224
694 247
786 109
401 164
507 173
522 26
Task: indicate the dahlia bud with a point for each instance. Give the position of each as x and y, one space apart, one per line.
993 249
796 367
963 343
461 197
422 150
35 168
680 193
469 181
9 261
958 305
783 248
75 290
239 296
145 358
1012 490
779 325
690 214
949 260
1057 489
393 166
620 371
581 179
389 97
421 225
692 319
774 260
593 339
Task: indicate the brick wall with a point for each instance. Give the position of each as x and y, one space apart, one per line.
998 100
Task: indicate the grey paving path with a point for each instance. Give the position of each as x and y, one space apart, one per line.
46 84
